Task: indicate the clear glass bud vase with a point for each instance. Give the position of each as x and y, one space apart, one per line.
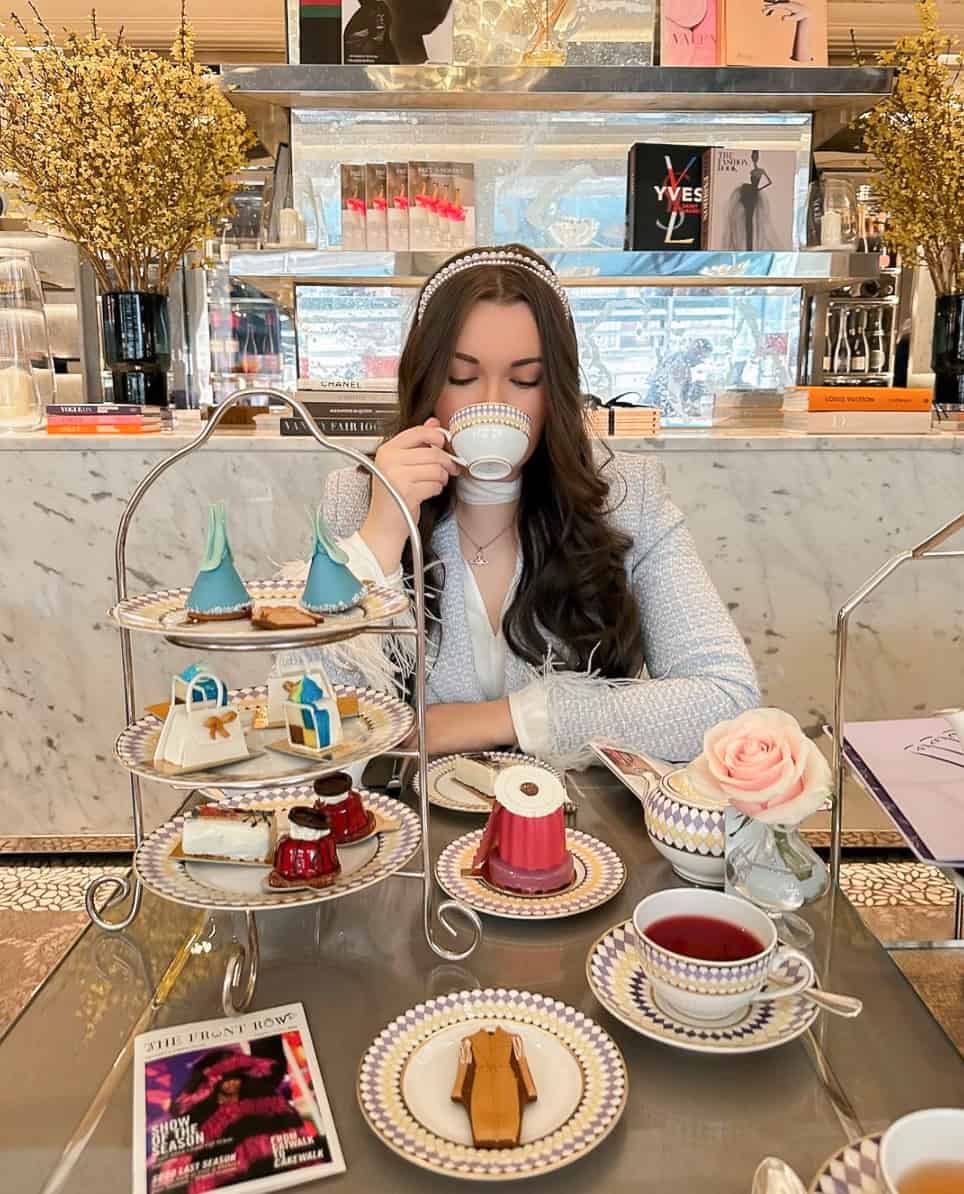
772 865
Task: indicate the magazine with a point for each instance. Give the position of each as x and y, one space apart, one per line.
636 770
233 1104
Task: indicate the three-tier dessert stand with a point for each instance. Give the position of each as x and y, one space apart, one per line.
242 968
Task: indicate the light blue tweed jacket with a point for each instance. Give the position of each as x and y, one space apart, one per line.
698 671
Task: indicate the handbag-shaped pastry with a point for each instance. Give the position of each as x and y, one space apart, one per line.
202 732
287 671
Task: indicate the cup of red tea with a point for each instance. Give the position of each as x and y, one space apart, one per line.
342 807
708 955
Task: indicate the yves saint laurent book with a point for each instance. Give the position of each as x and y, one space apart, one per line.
664 191
748 199
233 1105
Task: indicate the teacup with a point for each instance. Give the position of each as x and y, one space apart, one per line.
491 437
688 830
934 1136
710 991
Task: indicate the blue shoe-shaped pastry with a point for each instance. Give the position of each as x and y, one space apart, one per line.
218 594
331 586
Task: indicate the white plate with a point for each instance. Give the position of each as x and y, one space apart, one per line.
163 612
445 792
383 722
241 888
617 980
427 1082
566 1047
600 874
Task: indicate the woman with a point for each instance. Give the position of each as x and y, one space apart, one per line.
583 573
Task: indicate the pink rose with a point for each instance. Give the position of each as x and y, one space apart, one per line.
762 764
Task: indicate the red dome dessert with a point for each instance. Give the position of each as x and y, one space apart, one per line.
306 855
523 846
342 808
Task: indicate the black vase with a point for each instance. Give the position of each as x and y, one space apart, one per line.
948 353
137 345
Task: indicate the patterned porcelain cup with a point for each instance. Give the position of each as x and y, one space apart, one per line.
708 991
491 437
686 829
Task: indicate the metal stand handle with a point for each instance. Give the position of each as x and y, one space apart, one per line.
242 970
925 550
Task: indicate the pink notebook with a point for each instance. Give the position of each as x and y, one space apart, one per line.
915 770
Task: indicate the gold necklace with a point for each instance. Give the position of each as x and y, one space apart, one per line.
479 560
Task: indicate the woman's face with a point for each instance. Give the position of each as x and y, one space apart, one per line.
497 358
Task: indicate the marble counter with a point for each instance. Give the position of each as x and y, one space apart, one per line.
788 525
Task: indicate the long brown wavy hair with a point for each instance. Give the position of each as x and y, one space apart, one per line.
573 585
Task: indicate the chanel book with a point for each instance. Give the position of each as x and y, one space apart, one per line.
664 192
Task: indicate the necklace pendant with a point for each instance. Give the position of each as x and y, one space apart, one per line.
478 560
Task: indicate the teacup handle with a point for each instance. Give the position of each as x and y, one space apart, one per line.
783 954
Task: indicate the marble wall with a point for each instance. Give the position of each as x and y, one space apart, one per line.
787 527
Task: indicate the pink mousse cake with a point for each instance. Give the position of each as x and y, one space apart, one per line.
523 846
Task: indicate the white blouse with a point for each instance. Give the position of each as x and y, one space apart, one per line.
529 706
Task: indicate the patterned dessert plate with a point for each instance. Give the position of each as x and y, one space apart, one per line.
405 1085
851 1170
600 874
617 980
241 888
163 612
445 791
383 722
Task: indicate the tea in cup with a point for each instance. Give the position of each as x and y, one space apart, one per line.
923 1153
708 955
491 437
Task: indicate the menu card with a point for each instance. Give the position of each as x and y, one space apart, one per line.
233 1104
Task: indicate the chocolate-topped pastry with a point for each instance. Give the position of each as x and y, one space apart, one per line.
336 784
306 855
307 817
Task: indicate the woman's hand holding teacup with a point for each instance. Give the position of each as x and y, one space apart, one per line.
418 466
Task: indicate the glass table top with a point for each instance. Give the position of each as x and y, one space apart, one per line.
693 1123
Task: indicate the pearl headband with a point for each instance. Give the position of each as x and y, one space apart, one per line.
491 257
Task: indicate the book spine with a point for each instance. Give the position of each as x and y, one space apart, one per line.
103 429
633 162
869 422
95 421
94 409
706 226
855 399
347 427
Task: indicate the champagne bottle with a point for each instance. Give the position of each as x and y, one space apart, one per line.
828 344
877 357
841 350
858 343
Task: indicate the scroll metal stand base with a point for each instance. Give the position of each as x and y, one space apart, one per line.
241 975
927 550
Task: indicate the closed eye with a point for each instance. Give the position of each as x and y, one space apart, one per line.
526 385
462 381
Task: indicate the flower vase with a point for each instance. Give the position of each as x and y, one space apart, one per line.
771 865
948 354
137 345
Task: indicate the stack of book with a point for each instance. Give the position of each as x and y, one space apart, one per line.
641 421
861 410
366 414
103 418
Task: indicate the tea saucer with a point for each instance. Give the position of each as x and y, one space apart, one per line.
445 791
405 1083
851 1170
600 874
617 980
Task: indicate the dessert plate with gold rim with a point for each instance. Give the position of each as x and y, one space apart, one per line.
445 791
241 888
617 980
406 1076
600 874
852 1169
383 722
163 612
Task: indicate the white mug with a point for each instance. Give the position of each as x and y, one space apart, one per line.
491 437
704 990
934 1135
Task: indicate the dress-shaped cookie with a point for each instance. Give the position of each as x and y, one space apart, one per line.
493 1083
218 594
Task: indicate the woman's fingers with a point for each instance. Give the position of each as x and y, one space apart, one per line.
415 457
428 472
417 437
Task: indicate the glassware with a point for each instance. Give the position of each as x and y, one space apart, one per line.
832 214
773 867
26 368
547 49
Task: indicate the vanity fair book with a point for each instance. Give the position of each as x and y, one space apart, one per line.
234 1104
748 199
664 191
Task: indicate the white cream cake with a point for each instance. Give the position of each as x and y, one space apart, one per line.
213 831
479 771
